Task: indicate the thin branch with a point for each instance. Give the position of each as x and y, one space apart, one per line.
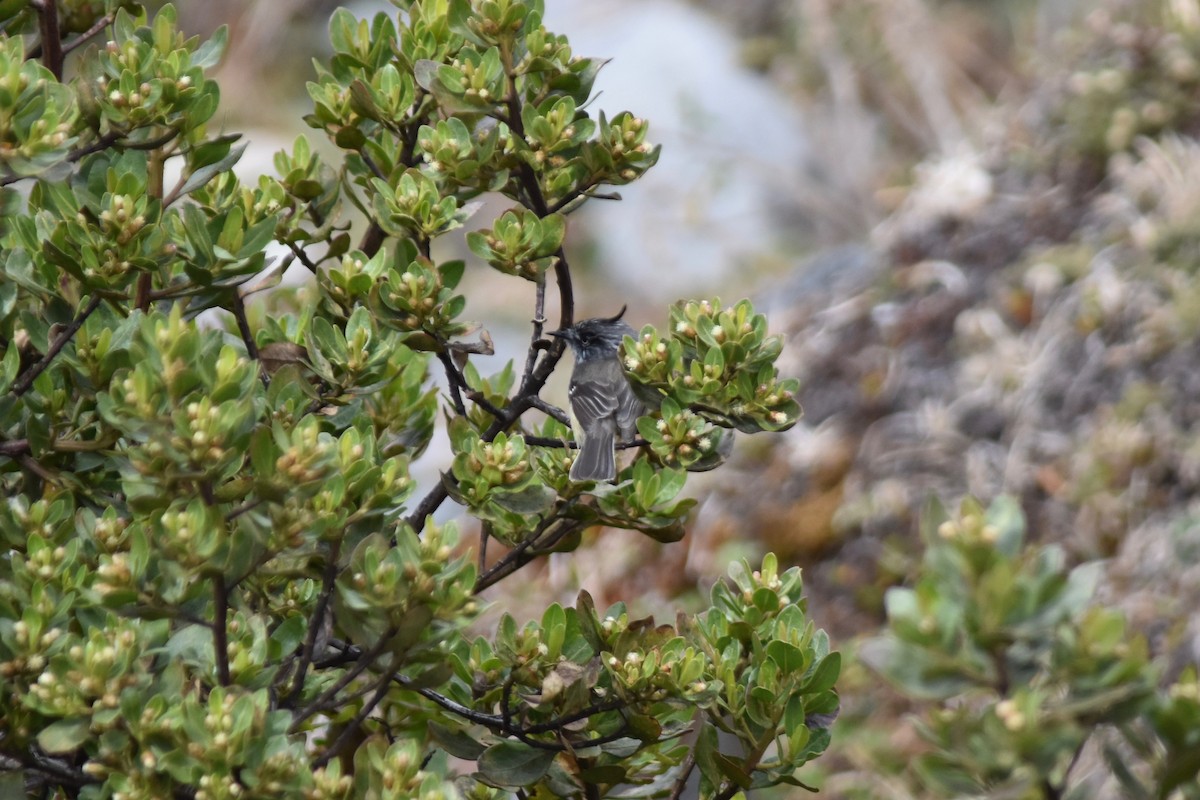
237 307
328 584
52 51
583 713
497 724
220 634
681 782
453 379
546 441
526 551
14 447
579 195
23 382
82 38
536 342
244 508
110 139
33 465
61 773
302 257
352 728
551 410
485 533
364 661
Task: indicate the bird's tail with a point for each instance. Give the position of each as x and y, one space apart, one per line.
596 460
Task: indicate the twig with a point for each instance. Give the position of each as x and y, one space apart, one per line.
536 342
497 724
14 447
237 306
220 635
52 51
525 552
681 782
372 240
33 465
453 379
57 770
550 410
328 584
344 737
485 533
302 257
248 506
82 38
364 660
23 382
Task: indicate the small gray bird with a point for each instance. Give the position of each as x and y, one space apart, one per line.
602 403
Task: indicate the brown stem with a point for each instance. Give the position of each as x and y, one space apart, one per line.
52 50
81 39
364 661
526 551
24 381
315 622
220 634
681 782
343 739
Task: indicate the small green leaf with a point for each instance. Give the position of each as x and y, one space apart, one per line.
511 763
457 743
824 674
64 736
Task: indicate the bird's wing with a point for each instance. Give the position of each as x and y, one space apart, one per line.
593 401
629 408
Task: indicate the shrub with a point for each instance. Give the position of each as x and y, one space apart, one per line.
220 578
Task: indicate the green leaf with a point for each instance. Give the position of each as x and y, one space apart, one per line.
788 657
456 743
64 736
8 367
206 173
824 675
732 769
511 763
288 636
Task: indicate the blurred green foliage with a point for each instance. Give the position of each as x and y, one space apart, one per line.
1017 674
219 579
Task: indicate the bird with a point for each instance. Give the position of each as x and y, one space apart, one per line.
603 404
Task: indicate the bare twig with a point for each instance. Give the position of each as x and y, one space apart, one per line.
680 785
220 634
302 257
24 381
527 550
81 39
550 410
485 533
453 379
14 447
364 660
237 307
52 50
328 578
381 689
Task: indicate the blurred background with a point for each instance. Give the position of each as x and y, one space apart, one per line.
976 222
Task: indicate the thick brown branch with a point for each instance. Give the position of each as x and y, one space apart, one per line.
52 49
